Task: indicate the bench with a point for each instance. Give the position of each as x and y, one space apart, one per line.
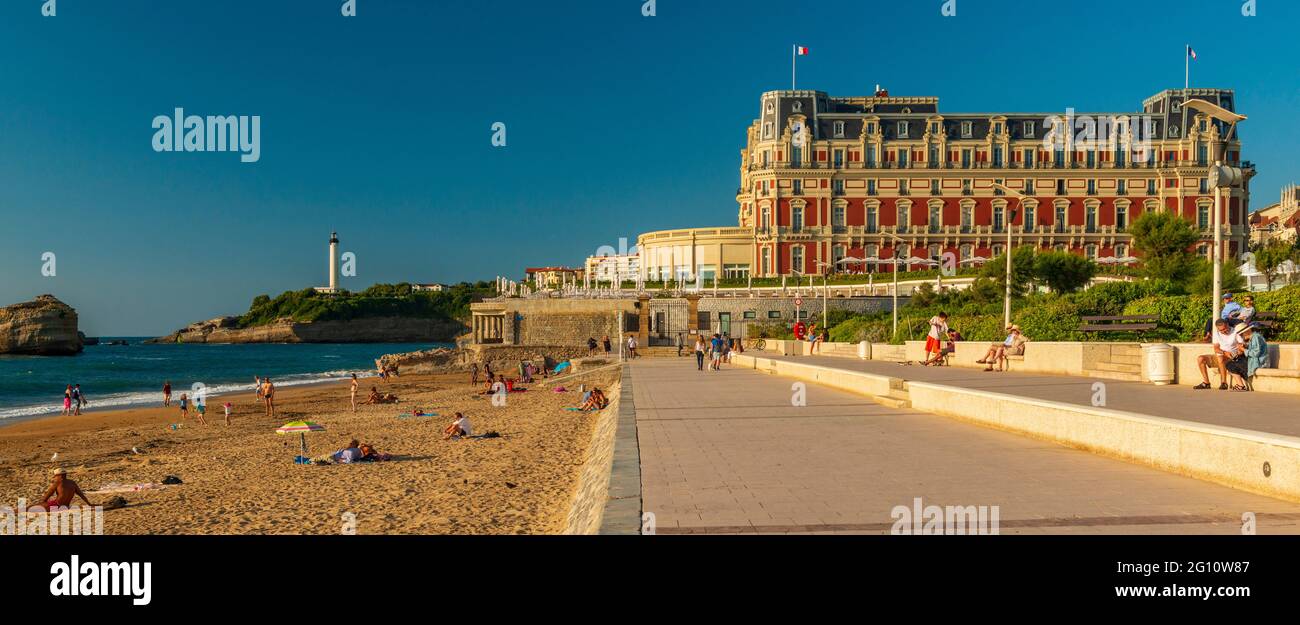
1268 321
1120 323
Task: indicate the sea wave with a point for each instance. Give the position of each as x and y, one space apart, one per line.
129 400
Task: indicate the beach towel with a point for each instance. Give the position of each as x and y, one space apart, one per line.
409 415
561 389
561 367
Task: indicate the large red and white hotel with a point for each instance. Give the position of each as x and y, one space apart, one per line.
823 178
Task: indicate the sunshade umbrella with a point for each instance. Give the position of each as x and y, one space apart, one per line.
301 428
975 260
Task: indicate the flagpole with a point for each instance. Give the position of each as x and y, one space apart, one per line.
794 56
1187 67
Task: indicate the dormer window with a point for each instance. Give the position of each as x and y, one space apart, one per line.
1029 130
907 111
871 128
997 128
934 128
767 130
797 106
966 130
1173 132
902 129
1175 107
839 129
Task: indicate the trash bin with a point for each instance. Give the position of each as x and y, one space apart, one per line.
1158 363
864 350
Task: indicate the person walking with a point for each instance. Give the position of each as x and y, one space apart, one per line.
355 384
700 348
167 393
268 392
679 344
631 347
609 347
67 400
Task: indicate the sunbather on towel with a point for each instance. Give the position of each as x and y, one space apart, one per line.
377 398
595 401
351 453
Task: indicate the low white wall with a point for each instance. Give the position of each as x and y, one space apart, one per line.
1224 455
851 381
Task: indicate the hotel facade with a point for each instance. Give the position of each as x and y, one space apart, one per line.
826 178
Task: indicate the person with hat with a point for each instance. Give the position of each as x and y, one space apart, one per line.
1230 309
60 493
1227 345
1253 356
1013 345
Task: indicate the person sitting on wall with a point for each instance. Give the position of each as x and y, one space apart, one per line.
1253 357
1227 345
992 354
948 349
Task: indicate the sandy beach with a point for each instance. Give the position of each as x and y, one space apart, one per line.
241 479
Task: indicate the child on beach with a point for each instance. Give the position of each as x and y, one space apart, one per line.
167 394
67 400
185 407
200 409
227 407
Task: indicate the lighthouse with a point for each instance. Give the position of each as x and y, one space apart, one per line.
334 262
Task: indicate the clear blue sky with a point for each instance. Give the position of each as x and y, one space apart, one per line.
379 125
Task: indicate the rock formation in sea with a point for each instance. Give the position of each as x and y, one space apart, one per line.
364 330
44 326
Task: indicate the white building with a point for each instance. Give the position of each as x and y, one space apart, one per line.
612 267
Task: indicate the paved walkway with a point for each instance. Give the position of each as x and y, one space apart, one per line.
727 452
1277 413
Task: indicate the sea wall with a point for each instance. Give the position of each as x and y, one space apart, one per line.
607 499
44 326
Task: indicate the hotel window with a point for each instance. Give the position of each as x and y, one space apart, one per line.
903 220
796 259
967 219
1029 186
766 261
839 129
767 130
902 129
796 156
904 187
1029 158
965 187
1121 187
1031 215
934 186
871 157
934 128
766 220
1029 130
1202 154
965 159
1060 247
1203 216
997 191
936 219
871 128
839 159
1090 250
871 187
1092 159
837 217
1121 251
872 219
997 156
770 107
750 314
1205 185
1119 158
736 271
1060 186
797 186
999 214
935 252
871 252
837 187
837 254
966 130
1061 218
902 157
997 250
1121 218
1058 157
796 218
1151 187
1092 187
934 155
1090 219
997 128
773 314
1173 132
966 251
766 158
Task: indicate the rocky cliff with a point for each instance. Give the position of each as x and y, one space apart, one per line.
368 330
44 326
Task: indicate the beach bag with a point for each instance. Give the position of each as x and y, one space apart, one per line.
491 434
171 479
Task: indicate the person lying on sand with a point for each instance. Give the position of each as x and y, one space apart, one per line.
459 427
60 494
377 398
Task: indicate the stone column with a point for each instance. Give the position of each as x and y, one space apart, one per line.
693 314
643 327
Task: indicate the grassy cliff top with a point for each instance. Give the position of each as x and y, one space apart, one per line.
380 300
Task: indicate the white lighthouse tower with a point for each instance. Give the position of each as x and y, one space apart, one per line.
334 262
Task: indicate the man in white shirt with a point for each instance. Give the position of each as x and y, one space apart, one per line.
459 427
1227 345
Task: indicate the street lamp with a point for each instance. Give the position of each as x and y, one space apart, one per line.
1222 178
1011 216
825 292
897 239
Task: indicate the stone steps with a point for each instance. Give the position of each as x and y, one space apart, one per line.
1118 367
898 396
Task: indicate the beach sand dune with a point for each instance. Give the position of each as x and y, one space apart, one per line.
241 479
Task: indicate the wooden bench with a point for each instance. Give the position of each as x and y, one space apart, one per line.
1120 323
1268 321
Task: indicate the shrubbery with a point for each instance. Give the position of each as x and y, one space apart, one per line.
380 300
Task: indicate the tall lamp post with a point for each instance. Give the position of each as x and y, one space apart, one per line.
1221 178
894 258
825 292
1011 216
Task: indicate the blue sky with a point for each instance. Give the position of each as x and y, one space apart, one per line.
379 126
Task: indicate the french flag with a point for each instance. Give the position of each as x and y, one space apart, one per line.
1191 53
804 51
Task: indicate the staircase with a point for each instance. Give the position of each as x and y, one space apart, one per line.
842 350
889 353
1124 363
898 396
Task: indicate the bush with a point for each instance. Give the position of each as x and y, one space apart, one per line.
380 300
769 330
1181 317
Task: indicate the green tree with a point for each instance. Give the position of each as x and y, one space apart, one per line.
1269 256
1063 272
1022 270
1202 280
1164 240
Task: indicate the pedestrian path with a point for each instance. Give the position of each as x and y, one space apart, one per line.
733 452
1274 413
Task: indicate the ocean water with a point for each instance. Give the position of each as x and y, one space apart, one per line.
120 376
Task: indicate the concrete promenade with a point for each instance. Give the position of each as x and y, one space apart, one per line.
1274 413
729 452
